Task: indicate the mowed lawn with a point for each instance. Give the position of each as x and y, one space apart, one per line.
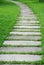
9 13
38 8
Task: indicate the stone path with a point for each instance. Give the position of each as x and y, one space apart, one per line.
20 64
25 37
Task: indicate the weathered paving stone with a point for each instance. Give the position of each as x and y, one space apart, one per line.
24 37
28 17
20 49
26 13
29 14
31 19
24 43
26 26
19 57
26 33
22 21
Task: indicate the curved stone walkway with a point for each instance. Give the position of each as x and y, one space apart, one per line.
26 33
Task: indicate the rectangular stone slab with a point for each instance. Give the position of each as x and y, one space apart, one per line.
26 33
19 57
27 21
28 17
24 37
21 64
27 27
20 49
24 43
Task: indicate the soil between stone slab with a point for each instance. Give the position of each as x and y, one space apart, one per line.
26 30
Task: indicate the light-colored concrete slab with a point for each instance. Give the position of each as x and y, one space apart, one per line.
19 64
26 33
20 49
27 21
29 14
19 57
27 26
24 43
28 18
24 37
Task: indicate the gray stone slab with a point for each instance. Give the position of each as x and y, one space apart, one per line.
23 14
25 33
24 43
26 11
20 49
27 23
21 64
27 26
24 37
22 21
28 17
16 64
29 14
19 57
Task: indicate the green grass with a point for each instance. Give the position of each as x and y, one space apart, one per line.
23 62
21 46
9 13
32 53
38 8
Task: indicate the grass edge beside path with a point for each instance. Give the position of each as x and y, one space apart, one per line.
9 13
